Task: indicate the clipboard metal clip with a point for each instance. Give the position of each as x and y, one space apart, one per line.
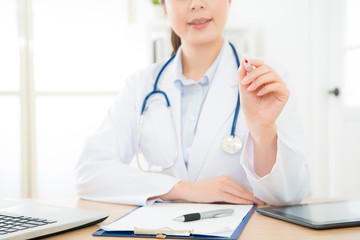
161 236
161 233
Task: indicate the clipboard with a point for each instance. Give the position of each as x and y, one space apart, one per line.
170 234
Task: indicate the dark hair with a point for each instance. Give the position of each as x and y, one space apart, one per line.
175 39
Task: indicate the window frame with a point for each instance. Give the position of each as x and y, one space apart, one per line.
27 95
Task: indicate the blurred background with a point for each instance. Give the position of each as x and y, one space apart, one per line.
63 61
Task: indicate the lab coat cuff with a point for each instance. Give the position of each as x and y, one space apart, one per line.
166 186
247 158
287 180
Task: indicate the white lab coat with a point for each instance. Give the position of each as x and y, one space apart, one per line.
103 171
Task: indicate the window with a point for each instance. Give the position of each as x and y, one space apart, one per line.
10 141
352 53
65 61
10 157
9 46
79 45
78 51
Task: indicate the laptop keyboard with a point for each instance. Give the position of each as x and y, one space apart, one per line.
13 223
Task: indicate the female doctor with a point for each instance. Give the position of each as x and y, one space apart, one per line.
212 145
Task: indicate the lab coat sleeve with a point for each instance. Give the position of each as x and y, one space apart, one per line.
103 172
288 180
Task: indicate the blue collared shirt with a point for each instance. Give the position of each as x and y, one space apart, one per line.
193 95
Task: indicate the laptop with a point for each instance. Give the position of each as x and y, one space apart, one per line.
323 215
24 220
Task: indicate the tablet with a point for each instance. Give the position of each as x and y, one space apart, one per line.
323 215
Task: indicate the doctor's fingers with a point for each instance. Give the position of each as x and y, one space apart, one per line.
229 198
256 73
241 192
236 189
265 79
256 62
280 90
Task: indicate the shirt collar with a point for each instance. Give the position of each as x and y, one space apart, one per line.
180 80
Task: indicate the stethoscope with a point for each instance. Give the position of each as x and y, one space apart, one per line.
230 144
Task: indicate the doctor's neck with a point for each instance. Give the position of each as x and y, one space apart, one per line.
197 59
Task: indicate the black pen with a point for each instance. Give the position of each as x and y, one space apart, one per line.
201 215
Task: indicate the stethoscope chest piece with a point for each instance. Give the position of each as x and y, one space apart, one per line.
231 144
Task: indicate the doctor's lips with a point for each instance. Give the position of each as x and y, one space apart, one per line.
199 23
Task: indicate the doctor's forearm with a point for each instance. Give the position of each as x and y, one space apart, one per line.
217 189
265 149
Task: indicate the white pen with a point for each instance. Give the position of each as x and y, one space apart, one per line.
201 215
248 66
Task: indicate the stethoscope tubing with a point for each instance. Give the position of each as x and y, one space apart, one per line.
150 94
155 91
238 98
233 128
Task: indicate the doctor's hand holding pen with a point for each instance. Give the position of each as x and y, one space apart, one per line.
263 95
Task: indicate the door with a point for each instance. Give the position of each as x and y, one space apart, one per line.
344 94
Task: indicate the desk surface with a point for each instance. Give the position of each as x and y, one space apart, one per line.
259 226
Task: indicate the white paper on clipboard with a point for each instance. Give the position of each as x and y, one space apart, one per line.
161 215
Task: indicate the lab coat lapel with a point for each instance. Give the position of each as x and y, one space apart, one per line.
218 107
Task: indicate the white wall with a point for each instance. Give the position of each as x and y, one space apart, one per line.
285 31
285 39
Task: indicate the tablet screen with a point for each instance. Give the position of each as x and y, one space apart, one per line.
318 215
325 212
